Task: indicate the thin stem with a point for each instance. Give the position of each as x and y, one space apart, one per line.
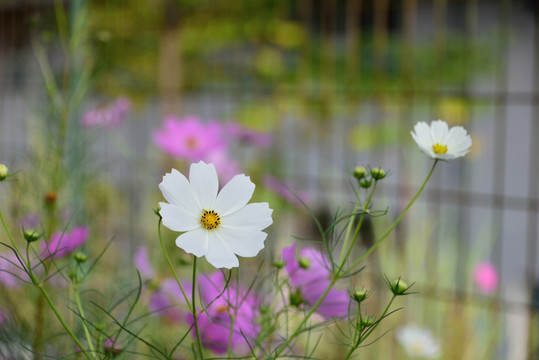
58 316
349 229
396 222
194 310
172 267
83 318
11 237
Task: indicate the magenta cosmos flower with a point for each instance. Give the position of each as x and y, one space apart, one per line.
486 277
107 116
62 244
12 274
215 323
167 300
312 279
189 138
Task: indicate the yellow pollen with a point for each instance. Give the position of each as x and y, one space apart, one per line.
210 219
192 142
222 309
439 148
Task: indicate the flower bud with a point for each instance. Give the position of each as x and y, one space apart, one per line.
378 173
296 299
31 235
365 183
4 171
278 264
50 198
398 287
157 211
359 172
304 263
359 295
80 257
367 322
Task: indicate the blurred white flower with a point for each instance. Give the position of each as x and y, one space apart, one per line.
418 342
439 142
216 225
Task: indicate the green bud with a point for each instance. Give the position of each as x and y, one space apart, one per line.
80 257
359 295
296 299
367 322
157 211
263 310
378 173
4 171
31 235
304 263
399 287
365 183
279 264
359 172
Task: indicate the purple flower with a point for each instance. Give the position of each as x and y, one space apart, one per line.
312 279
143 264
283 190
189 138
108 116
248 136
62 244
11 271
486 277
216 321
165 300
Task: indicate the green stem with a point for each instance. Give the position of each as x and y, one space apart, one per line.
194 310
58 316
83 319
396 222
368 333
349 229
336 276
12 239
172 267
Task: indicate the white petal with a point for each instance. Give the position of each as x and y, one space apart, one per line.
234 195
245 243
178 191
422 135
219 254
194 242
254 216
176 218
438 131
205 184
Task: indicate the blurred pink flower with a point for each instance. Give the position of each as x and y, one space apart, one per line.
142 263
485 276
165 299
215 322
283 190
312 281
248 136
226 167
189 138
64 243
11 271
107 116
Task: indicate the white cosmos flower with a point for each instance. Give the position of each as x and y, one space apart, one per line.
418 342
439 142
216 225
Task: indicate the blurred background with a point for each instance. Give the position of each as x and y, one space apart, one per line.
333 84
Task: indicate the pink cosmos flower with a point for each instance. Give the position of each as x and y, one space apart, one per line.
485 276
108 116
11 272
165 299
189 138
62 244
215 322
311 282
226 167
283 190
248 136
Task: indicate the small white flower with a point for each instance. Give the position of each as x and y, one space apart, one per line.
216 225
418 342
439 142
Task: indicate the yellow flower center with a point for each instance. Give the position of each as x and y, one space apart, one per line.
210 219
192 143
222 309
439 148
